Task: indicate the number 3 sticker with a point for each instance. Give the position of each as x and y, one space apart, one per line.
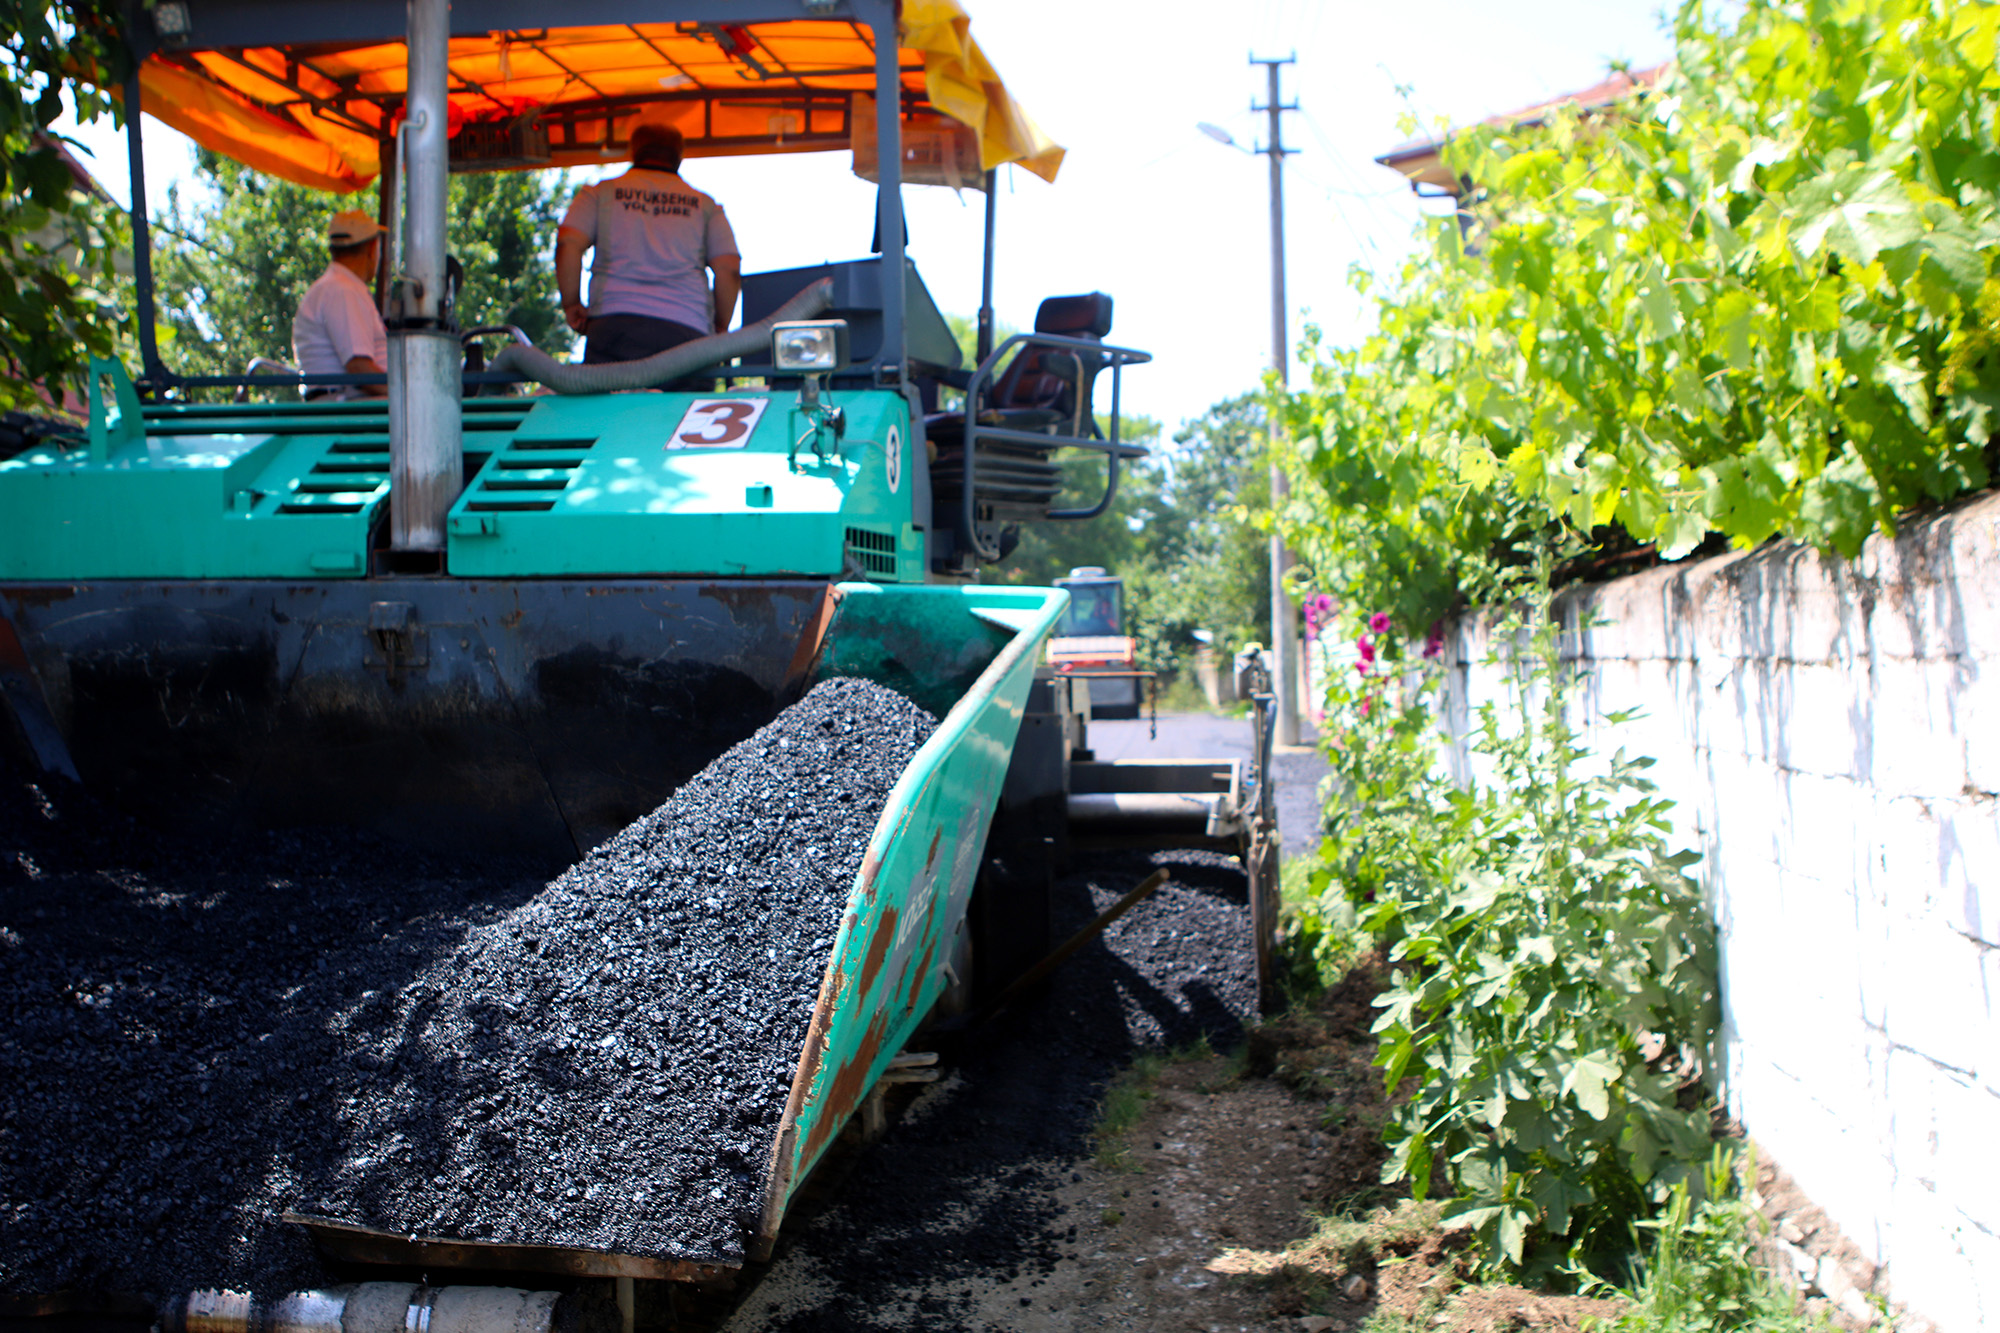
718 423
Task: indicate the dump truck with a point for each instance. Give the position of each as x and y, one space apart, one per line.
1090 644
472 617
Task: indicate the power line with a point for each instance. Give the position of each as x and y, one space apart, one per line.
1372 200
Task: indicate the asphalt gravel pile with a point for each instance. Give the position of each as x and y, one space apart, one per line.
606 1067
192 1043
166 1066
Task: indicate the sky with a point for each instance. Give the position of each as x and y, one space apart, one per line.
1172 224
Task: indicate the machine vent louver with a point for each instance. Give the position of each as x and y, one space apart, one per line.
528 476
874 551
343 480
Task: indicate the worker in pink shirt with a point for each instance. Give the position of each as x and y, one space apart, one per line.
656 240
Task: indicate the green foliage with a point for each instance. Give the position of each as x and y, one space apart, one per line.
503 229
1387 1320
1124 1102
1382 835
1762 301
1115 539
1701 1275
1176 531
965 331
1208 565
58 290
1555 994
234 262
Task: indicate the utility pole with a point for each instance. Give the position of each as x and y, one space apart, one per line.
1284 616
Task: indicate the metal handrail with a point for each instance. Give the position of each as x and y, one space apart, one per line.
288 376
262 363
513 331
1116 359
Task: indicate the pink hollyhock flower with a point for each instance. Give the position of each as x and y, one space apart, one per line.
1434 642
1360 668
1367 648
1379 623
1368 705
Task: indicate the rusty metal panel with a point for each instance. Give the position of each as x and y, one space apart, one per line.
916 881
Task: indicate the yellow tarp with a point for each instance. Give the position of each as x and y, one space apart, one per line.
316 116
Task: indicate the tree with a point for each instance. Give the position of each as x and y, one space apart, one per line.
231 268
58 303
503 229
1210 563
1180 531
1116 539
233 265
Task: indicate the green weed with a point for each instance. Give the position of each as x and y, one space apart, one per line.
1234 1068
1699 1274
1320 937
1124 1102
1395 1321
1182 693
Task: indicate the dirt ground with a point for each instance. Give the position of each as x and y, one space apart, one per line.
1203 1212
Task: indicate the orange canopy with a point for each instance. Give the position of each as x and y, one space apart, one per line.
319 115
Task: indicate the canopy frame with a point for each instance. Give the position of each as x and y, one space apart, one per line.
173 30
307 90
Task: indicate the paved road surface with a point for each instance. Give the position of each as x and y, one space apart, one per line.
1203 735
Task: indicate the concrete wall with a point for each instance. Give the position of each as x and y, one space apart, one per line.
1831 730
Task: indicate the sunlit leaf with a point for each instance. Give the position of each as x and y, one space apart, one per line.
1588 1080
1854 212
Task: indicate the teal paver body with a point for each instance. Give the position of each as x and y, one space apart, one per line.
685 484
604 485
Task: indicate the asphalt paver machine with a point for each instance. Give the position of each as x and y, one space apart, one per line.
472 616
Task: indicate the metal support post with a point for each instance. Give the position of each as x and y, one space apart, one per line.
388 182
983 347
880 16
425 425
153 373
1284 615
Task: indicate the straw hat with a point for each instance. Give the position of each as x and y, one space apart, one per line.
351 228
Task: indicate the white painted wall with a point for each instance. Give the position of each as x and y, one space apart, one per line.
1831 731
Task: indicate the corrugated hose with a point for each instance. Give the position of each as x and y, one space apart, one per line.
662 367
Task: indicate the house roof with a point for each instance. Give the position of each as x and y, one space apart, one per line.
1422 160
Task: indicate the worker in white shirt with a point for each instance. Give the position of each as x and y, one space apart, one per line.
338 330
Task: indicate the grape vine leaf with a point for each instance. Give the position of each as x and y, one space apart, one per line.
1853 212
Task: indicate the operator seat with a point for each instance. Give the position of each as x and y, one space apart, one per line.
1043 389
1058 380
